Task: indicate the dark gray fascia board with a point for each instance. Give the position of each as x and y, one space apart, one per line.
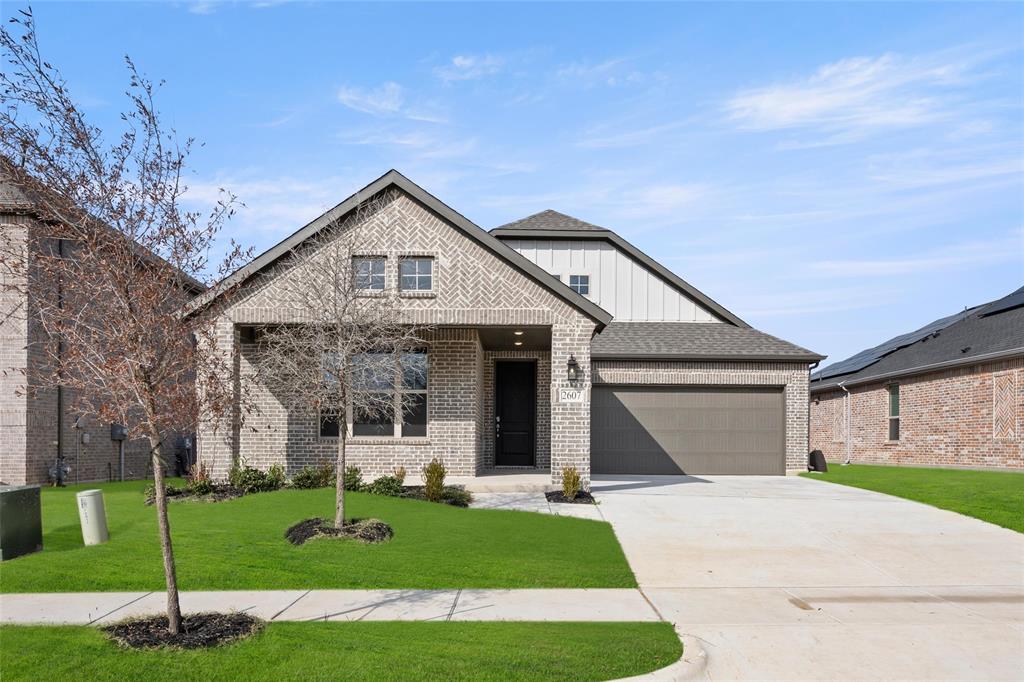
709 358
635 253
434 205
921 369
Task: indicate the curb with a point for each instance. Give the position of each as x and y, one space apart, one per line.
690 666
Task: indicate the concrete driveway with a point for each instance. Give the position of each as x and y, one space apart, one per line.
786 578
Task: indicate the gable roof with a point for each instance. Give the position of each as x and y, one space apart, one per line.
554 225
986 332
395 179
705 341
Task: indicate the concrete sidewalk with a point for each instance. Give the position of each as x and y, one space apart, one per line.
87 608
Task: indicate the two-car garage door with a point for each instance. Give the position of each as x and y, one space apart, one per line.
691 430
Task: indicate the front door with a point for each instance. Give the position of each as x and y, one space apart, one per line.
515 407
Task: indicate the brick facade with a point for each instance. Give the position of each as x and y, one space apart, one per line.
28 414
473 288
793 378
969 416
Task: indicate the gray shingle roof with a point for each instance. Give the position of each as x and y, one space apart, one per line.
694 341
551 220
995 328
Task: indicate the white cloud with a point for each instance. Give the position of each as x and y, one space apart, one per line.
610 72
953 257
465 67
383 100
604 137
204 7
854 96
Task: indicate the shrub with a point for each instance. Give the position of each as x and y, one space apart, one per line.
354 479
385 485
150 492
433 480
199 481
455 496
570 483
320 476
252 480
399 473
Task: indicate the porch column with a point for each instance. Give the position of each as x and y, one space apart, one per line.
217 439
570 409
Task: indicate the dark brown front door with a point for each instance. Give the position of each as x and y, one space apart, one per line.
515 406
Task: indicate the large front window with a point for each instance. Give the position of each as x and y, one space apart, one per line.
389 396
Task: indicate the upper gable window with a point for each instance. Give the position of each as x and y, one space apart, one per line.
580 284
369 273
416 274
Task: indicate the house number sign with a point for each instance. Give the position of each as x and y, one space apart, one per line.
571 395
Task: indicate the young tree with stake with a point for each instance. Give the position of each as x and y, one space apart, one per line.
115 255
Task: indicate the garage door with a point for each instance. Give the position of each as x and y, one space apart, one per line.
673 430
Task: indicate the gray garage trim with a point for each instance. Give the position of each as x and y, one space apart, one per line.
688 430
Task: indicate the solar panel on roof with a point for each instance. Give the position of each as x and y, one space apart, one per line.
868 357
1009 302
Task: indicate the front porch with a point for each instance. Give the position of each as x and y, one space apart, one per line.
506 481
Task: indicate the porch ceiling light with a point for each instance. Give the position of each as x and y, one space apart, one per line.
519 343
573 370
518 332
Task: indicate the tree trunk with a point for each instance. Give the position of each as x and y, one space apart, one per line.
173 607
339 481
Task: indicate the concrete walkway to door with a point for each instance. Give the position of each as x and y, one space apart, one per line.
787 578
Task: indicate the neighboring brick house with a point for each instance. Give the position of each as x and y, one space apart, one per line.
38 423
950 394
676 383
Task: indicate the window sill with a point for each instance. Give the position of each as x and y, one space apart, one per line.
891 443
418 294
384 440
371 293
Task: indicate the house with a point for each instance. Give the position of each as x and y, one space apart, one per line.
949 394
39 423
554 343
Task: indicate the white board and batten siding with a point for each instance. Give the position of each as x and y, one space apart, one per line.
619 284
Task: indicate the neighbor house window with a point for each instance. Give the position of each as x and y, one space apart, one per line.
894 411
580 284
416 274
369 273
391 395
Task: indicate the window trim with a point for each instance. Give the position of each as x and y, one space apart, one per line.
893 390
433 274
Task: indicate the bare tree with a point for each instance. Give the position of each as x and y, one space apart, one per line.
351 354
114 258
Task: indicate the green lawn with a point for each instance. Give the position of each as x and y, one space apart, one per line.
356 651
240 544
993 496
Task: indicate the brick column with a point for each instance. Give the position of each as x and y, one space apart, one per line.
570 421
217 441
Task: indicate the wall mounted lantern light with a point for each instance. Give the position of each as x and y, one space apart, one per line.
573 370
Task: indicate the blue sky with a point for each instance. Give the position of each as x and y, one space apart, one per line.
835 174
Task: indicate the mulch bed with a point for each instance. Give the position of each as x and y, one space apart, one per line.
198 631
220 493
582 497
370 531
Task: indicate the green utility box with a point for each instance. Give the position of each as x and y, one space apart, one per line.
21 521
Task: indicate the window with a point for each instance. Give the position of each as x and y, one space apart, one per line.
416 274
894 411
391 395
369 273
580 284
330 426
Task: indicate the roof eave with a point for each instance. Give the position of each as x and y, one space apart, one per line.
690 357
613 238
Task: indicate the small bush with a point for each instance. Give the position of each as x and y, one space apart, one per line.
389 486
150 492
354 479
199 481
399 473
433 480
252 480
570 483
320 476
457 497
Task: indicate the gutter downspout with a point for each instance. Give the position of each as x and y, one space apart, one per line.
849 414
